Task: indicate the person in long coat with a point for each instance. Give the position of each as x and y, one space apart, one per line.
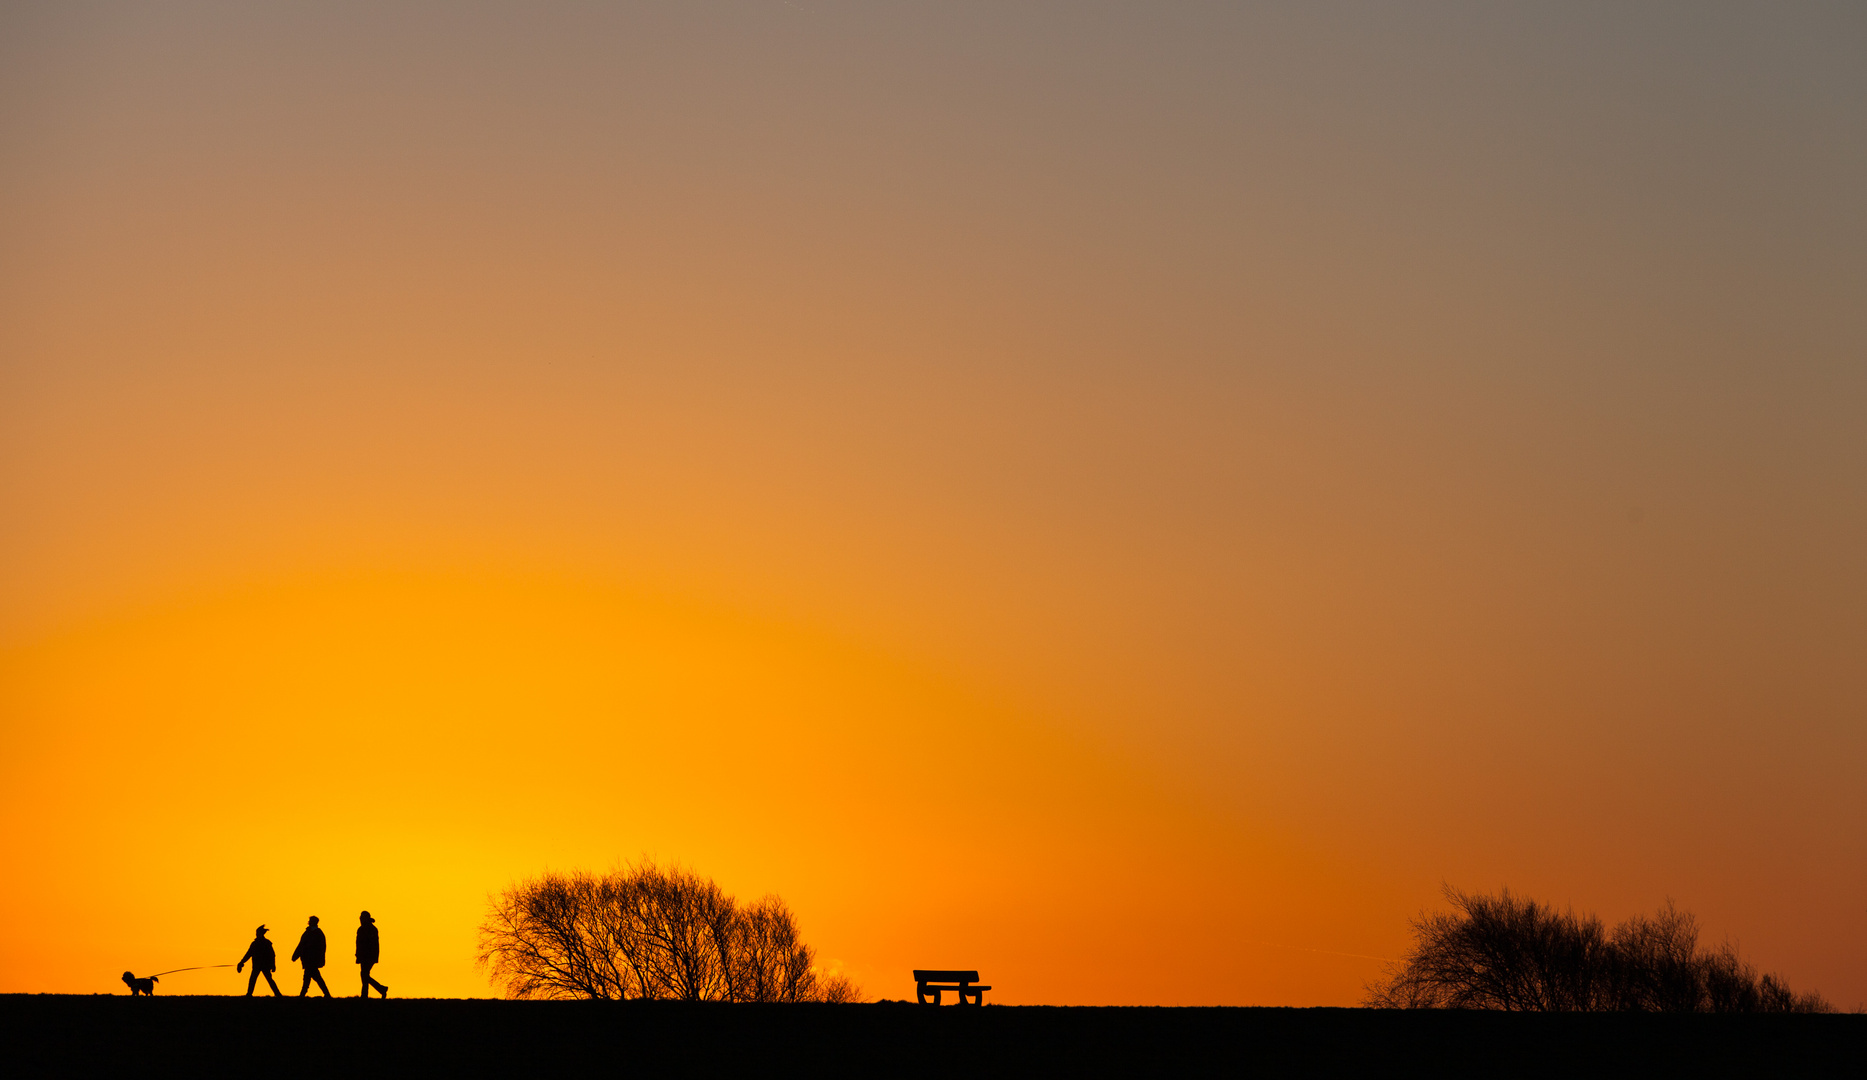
310 952
264 962
369 951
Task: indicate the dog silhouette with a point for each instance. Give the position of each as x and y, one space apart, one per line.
146 987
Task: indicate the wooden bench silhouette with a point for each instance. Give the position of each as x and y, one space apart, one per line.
938 982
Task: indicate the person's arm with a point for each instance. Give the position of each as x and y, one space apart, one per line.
243 960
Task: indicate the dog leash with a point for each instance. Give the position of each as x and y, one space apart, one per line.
203 967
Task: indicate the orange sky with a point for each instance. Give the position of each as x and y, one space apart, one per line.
1152 490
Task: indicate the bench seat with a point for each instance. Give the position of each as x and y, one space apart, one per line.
964 983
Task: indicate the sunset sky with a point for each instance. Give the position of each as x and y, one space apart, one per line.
1131 498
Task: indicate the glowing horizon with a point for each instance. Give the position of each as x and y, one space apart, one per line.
1176 484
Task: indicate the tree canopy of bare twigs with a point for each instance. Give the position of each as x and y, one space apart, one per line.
648 932
1506 952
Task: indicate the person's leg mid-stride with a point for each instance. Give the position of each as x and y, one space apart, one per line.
253 980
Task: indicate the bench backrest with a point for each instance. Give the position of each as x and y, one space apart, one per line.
945 976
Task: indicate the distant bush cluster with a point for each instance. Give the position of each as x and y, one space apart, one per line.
648 932
1502 952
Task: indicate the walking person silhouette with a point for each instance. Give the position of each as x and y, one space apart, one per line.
369 951
264 960
310 952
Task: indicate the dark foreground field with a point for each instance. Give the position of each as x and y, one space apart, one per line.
209 1036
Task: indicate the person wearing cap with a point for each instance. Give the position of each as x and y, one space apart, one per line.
369 950
310 952
264 962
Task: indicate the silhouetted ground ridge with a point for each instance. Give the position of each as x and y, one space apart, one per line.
56 1035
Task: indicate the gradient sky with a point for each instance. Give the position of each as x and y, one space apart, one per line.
1130 498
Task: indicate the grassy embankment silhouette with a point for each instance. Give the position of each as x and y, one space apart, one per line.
117 1035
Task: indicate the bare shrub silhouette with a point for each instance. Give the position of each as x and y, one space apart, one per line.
1506 952
648 932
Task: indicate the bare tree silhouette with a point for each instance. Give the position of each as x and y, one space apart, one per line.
1506 952
685 926
648 932
1657 966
